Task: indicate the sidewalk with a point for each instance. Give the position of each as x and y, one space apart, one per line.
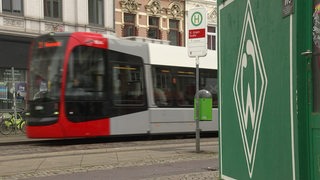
11 139
67 162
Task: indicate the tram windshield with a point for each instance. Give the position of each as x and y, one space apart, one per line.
46 68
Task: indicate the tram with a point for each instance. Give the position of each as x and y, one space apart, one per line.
85 84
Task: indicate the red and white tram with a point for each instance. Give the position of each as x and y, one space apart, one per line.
85 84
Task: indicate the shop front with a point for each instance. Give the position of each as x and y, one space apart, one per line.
13 71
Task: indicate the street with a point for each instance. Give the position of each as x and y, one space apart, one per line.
156 159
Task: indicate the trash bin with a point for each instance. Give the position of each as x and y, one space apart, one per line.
205 106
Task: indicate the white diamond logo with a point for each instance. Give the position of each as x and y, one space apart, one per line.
249 88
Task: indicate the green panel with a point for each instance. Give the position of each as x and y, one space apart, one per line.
254 75
312 34
316 154
304 42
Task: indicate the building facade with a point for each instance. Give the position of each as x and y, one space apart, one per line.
21 20
157 21
151 20
161 21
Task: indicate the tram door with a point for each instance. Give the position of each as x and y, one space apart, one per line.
314 95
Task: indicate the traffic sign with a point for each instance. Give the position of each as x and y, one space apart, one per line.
197 32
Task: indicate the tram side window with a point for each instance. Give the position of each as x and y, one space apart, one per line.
176 86
173 86
127 78
208 81
186 86
162 85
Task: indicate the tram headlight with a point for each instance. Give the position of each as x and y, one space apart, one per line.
56 108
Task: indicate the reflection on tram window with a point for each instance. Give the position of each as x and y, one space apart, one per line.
86 73
86 90
176 86
127 77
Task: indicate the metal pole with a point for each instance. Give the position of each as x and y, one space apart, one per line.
14 99
197 107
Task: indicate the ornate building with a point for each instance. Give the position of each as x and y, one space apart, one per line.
161 21
158 21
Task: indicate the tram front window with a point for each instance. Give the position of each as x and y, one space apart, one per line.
45 72
45 68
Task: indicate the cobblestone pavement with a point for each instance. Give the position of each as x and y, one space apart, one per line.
50 163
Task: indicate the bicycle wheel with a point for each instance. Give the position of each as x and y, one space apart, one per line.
18 122
6 127
22 126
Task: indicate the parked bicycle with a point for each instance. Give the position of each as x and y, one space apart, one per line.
10 124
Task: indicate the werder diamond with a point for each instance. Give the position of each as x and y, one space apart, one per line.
249 88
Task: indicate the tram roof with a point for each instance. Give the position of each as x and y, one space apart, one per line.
178 56
161 54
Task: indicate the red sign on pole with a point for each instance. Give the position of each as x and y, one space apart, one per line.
197 33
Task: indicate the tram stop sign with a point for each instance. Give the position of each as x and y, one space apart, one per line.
197 32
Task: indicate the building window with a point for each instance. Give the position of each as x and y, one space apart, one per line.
12 6
6 95
211 37
53 9
174 35
154 31
96 12
129 25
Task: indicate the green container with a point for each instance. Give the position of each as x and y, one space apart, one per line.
205 106
205 113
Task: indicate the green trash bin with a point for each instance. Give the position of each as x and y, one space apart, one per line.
205 106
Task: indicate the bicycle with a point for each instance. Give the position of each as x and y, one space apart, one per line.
8 125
